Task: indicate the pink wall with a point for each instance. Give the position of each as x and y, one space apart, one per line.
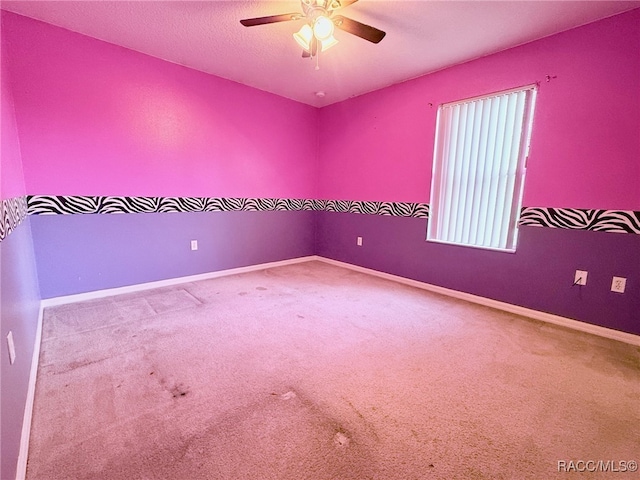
11 176
586 138
97 119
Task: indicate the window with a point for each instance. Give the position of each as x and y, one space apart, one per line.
479 164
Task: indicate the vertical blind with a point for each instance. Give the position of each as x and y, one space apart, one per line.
479 165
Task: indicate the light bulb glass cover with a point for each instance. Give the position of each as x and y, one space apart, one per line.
303 36
328 43
322 28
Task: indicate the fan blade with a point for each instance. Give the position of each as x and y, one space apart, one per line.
305 54
250 22
358 29
314 46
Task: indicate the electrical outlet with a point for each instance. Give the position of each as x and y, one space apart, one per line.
580 278
359 241
618 284
12 348
194 244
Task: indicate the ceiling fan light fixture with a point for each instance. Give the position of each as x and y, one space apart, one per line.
304 36
328 43
316 35
322 28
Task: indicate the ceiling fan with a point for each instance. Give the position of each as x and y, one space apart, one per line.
316 35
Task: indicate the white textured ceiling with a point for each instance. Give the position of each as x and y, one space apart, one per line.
422 37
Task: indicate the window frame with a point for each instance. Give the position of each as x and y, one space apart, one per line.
438 187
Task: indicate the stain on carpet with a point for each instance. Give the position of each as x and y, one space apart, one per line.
179 390
341 440
176 389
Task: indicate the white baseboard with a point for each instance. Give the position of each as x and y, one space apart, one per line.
507 307
80 297
21 470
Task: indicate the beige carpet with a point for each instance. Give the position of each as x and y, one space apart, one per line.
311 371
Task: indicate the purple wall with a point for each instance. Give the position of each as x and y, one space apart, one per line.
82 253
538 276
20 302
19 296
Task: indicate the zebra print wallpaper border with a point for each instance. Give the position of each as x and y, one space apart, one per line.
14 210
47 204
615 221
